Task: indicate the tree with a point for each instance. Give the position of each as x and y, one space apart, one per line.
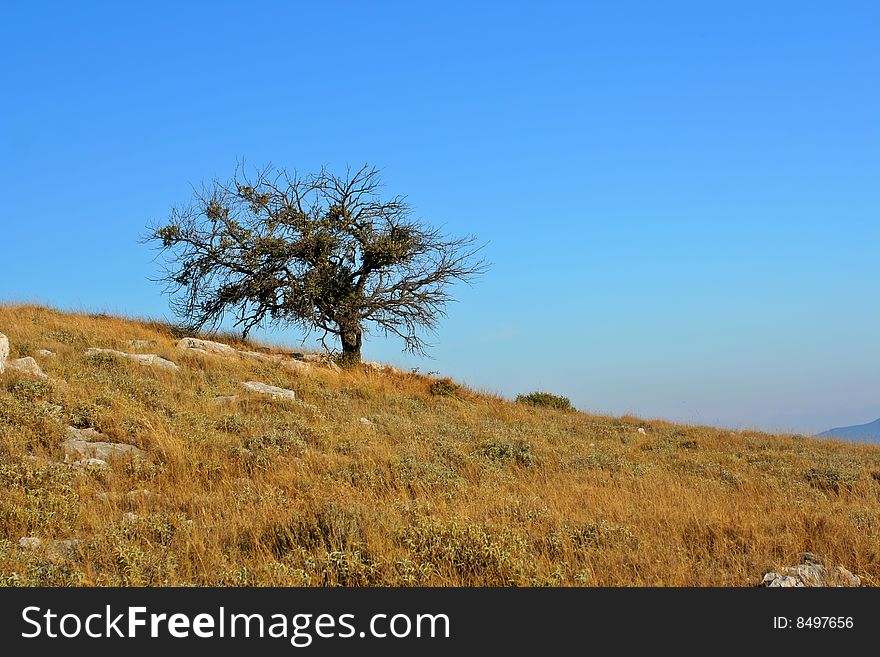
320 252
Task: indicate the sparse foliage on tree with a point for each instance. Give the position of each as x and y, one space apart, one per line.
321 252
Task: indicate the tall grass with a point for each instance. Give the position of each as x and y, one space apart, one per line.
438 489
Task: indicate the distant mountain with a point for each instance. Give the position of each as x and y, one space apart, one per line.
863 433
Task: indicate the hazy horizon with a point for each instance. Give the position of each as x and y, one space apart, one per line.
680 201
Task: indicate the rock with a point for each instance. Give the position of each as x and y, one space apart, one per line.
642 431
810 573
140 344
311 358
88 434
85 464
263 358
144 359
26 365
4 351
30 543
381 367
366 422
76 450
274 391
45 353
207 346
775 580
809 557
277 359
56 550
224 399
296 365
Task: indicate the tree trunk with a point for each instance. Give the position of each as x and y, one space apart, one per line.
351 346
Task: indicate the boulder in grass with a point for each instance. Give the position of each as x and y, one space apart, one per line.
207 346
811 573
4 351
273 391
153 360
76 451
26 365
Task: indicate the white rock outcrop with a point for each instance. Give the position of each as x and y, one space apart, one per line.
273 391
83 447
26 365
296 362
207 346
85 464
57 550
381 367
153 360
45 353
87 434
810 573
4 351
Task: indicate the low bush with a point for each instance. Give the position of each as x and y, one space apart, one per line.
545 399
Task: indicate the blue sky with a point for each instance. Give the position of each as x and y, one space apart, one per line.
681 199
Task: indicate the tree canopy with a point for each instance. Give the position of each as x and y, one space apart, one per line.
320 251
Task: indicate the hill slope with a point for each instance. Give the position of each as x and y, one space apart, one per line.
869 432
366 478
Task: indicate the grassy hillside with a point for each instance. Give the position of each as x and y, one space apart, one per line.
428 489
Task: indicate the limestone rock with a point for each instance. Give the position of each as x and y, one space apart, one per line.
144 359
366 422
86 464
26 365
381 367
4 351
642 431
207 346
45 353
296 365
263 358
58 550
88 434
84 447
30 543
273 391
810 573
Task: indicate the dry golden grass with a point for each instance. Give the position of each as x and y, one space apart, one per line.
454 489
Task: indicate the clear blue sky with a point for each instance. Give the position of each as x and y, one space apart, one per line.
681 199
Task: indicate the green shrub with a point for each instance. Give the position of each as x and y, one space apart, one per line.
545 399
443 388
